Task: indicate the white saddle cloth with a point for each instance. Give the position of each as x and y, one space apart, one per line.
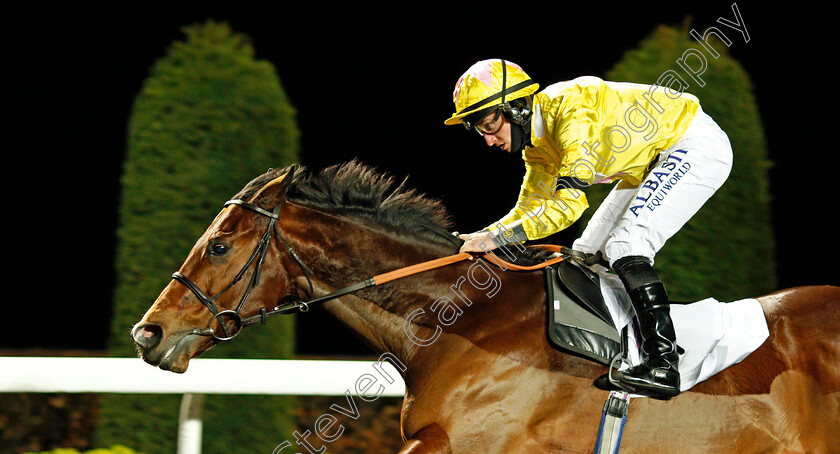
715 335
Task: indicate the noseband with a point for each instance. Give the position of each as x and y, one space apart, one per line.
258 258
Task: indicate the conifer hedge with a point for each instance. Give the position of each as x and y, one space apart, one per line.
727 250
208 118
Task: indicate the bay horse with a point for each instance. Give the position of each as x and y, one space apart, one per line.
480 374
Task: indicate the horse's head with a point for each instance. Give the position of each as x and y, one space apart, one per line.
223 284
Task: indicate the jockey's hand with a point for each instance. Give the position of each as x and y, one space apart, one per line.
481 241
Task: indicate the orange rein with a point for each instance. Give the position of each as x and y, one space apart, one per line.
400 273
444 261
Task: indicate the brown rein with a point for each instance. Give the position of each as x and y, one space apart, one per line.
444 261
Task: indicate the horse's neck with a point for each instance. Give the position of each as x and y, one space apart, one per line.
342 251
463 306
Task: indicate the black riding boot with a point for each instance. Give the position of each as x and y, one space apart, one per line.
657 375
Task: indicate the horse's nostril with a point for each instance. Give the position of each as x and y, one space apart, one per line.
147 336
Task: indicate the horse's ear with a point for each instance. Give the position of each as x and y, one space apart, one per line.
275 190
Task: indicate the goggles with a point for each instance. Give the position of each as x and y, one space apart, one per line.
487 123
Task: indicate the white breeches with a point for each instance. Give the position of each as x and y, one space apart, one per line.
637 221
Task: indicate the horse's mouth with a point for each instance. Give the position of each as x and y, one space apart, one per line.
175 356
175 360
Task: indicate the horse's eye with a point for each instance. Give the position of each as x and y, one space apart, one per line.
218 249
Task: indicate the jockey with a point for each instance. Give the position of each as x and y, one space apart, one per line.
667 155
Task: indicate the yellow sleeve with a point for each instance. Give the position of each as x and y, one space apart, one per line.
542 208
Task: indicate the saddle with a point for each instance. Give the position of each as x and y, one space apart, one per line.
579 321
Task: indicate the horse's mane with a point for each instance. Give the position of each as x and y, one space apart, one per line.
355 189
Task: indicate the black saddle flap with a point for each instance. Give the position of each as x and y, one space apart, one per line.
578 319
583 285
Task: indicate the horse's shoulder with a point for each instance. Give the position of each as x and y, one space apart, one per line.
801 301
804 325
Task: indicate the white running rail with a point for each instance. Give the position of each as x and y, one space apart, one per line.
19 374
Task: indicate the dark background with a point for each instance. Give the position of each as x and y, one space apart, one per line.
370 81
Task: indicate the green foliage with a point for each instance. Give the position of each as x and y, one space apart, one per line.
116 449
727 249
208 119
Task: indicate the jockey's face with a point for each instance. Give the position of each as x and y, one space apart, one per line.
500 138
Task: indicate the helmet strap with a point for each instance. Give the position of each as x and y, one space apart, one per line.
520 137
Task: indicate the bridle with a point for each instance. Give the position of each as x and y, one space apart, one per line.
257 259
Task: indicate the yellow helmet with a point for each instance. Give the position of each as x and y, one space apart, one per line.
486 84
